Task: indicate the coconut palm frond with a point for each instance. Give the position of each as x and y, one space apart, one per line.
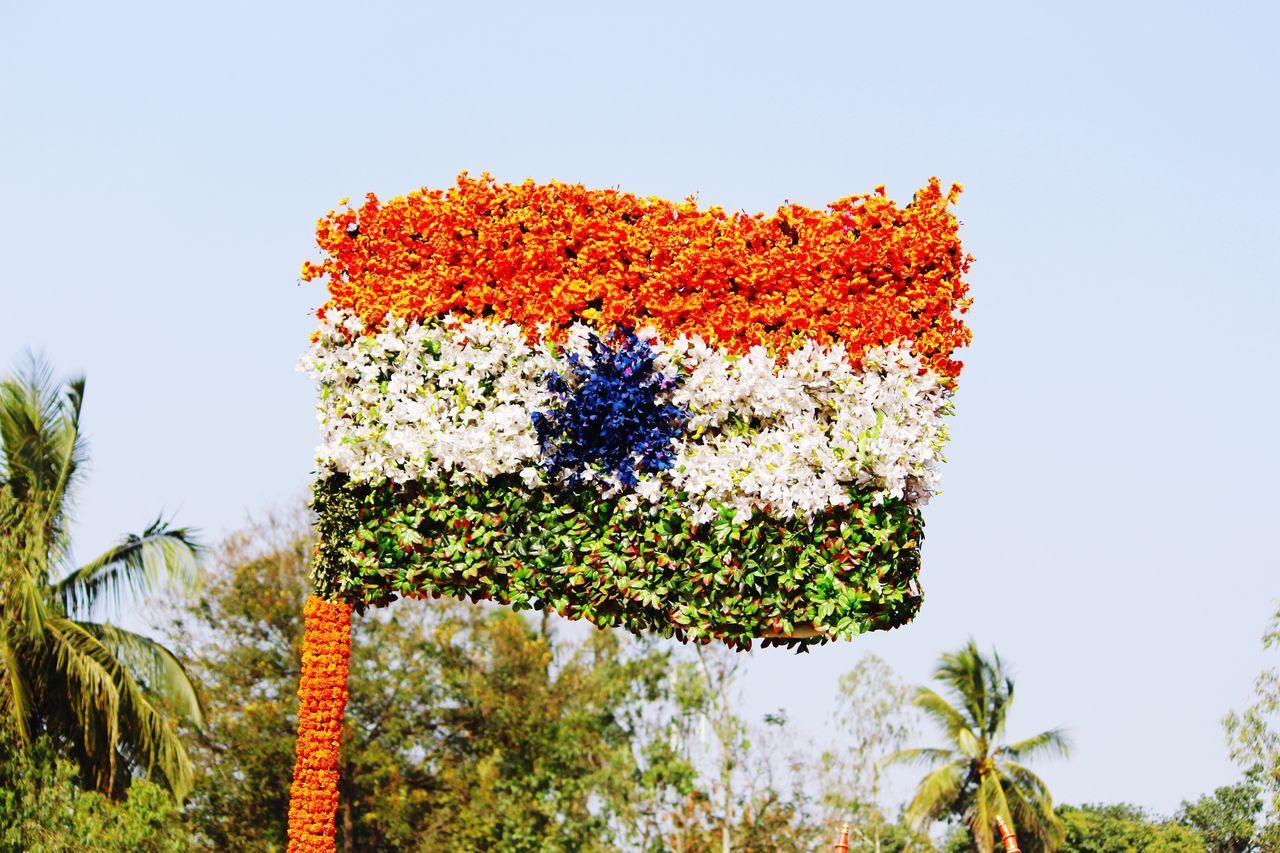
136 565
963 671
935 707
1053 742
972 746
1002 698
1032 810
43 451
927 756
1027 780
989 803
155 669
936 795
15 694
116 711
86 669
21 598
149 736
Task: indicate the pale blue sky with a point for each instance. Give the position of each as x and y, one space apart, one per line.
1107 520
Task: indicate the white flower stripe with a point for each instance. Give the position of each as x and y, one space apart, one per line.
453 400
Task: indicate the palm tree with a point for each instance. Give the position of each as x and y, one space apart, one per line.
108 698
978 777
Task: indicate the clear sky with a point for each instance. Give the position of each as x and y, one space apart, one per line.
1108 520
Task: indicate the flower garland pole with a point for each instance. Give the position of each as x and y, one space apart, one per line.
322 697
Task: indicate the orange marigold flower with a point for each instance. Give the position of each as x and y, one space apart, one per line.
322 695
863 271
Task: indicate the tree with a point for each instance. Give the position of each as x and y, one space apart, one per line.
42 808
1122 828
666 792
776 809
541 735
874 713
977 776
1227 819
468 727
1254 734
103 696
694 745
719 668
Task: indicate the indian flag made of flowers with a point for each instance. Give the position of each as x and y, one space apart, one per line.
635 411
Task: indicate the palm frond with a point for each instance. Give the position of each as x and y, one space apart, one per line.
1001 700
70 453
86 669
1026 780
15 693
989 803
136 565
1054 741
149 737
1032 807
21 595
154 667
921 755
114 711
42 449
961 670
23 409
942 712
937 794
971 745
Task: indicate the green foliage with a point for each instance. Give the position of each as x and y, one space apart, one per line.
42 808
873 719
103 696
1268 837
978 777
542 741
1254 734
572 552
467 728
746 786
1226 819
895 837
1123 828
470 727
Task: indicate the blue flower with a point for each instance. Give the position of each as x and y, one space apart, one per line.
612 413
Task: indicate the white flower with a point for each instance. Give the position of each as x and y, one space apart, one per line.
453 399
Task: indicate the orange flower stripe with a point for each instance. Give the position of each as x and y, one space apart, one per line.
322 695
863 271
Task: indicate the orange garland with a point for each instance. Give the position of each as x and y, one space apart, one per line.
864 271
322 695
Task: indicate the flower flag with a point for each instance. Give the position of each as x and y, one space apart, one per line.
639 412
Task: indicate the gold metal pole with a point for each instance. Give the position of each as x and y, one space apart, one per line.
842 840
1006 835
